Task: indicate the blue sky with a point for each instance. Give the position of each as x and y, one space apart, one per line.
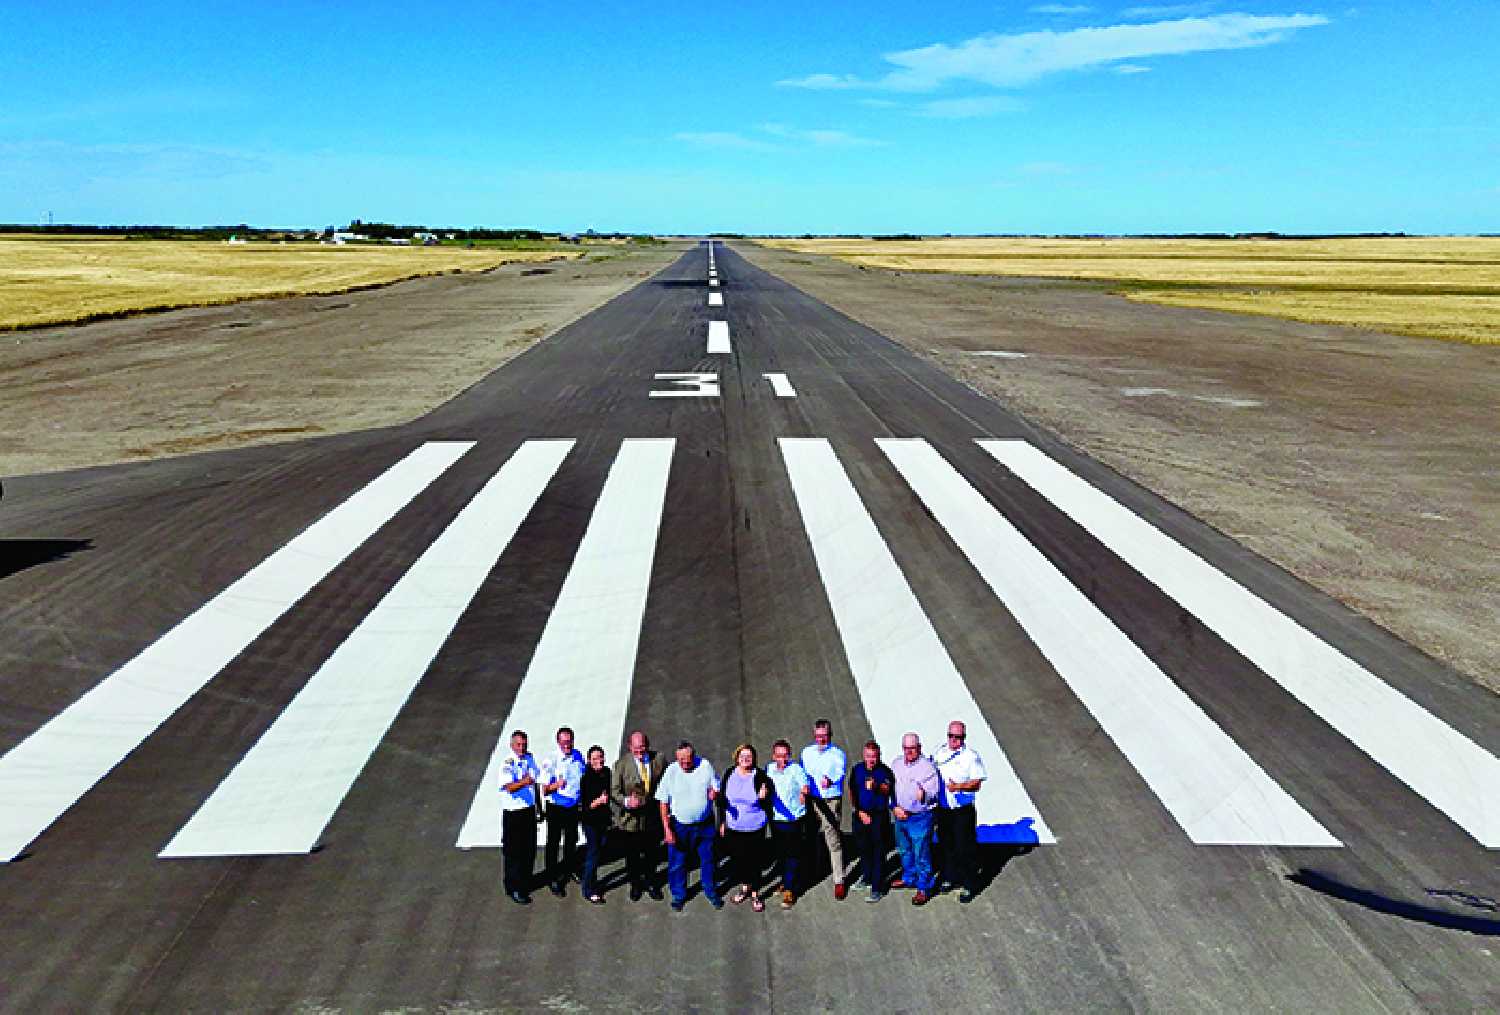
756 117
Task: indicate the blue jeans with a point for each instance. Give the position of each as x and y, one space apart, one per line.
593 838
914 840
691 839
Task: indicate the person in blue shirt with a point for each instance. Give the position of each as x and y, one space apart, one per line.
562 778
871 786
825 763
686 795
788 817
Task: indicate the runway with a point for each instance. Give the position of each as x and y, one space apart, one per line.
251 701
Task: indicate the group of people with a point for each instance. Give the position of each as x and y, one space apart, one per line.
701 814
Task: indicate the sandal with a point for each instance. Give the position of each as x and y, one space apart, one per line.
757 905
739 897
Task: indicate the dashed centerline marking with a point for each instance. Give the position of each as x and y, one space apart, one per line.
781 386
718 336
716 299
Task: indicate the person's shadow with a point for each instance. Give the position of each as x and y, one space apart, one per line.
16 555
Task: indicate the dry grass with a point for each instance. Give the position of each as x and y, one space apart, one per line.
1435 288
59 281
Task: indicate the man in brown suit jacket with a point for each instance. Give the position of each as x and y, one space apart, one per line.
636 776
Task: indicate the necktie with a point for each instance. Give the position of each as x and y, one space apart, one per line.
645 775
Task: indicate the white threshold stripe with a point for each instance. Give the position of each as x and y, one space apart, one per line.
718 336
1213 789
713 283
45 774
1454 774
716 299
781 386
584 664
907 682
283 793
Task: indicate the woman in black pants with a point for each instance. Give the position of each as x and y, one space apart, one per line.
744 803
594 798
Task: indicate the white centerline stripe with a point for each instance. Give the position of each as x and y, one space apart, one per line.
283 793
713 283
718 336
1217 793
781 386
1452 772
716 299
581 673
906 680
50 770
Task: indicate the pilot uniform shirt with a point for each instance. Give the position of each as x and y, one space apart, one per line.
686 793
569 768
512 769
788 781
962 765
828 762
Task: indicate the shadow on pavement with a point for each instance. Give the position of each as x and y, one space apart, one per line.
16 555
1326 885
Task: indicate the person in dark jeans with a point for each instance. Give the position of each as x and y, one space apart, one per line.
871 785
595 820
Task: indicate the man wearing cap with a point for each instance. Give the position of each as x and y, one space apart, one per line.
962 773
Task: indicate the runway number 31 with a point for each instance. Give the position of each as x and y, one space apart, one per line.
707 386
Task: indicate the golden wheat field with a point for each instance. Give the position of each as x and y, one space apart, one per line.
1446 288
55 281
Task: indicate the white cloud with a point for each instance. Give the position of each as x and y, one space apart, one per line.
970 108
1131 68
879 103
824 82
1169 10
1007 61
1060 9
723 139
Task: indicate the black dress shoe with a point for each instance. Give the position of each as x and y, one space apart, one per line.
656 894
557 889
635 893
966 896
520 898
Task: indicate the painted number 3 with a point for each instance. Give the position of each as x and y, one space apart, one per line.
707 386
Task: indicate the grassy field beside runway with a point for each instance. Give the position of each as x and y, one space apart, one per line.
56 281
1447 288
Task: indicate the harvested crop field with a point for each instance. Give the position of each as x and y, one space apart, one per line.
50 281
1446 288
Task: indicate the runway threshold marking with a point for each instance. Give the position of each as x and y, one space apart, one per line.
1213 789
1454 774
716 299
584 664
718 337
48 772
889 641
781 386
283 793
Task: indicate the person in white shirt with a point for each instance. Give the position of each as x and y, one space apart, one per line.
562 777
686 795
519 814
825 764
962 773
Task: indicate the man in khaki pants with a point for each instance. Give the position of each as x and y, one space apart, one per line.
826 764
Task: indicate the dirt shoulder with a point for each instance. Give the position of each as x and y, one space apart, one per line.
275 369
1366 464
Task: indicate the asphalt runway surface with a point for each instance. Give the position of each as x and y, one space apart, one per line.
250 701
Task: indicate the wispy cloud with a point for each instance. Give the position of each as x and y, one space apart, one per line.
167 162
1131 68
778 137
723 139
970 108
1060 9
1008 61
1169 10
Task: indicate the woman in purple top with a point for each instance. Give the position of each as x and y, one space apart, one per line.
745 800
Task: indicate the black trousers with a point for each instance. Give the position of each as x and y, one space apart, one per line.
790 838
746 857
871 840
518 830
642 856
562 837
957 830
